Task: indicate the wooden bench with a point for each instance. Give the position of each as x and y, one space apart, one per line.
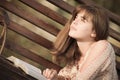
39 22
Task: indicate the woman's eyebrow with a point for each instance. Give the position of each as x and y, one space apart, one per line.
84 17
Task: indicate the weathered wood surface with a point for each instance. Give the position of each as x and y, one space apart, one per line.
28 16
45 11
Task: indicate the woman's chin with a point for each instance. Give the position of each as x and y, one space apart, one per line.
71 35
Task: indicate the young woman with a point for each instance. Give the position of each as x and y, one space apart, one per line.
83 43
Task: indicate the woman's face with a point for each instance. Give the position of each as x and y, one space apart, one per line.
81 28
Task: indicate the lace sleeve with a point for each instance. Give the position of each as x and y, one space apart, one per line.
94 65
62 78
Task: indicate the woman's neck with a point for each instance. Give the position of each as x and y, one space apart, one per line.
84 46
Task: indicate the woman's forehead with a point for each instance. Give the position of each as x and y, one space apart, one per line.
82 13
85 14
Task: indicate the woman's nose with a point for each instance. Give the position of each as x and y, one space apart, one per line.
75 22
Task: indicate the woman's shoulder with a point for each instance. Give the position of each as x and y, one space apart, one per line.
102 42
101 46
100 50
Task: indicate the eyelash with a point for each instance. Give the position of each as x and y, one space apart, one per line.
82 18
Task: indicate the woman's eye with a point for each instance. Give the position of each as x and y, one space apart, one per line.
83 19
76 17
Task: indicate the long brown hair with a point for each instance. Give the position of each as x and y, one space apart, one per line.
66 46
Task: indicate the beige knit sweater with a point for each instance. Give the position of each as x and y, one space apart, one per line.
101 68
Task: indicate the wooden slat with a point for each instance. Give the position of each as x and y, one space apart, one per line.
45 11
113 17
28 16
117 50
114 34
30 55
30 35
118 65
118 69
63 5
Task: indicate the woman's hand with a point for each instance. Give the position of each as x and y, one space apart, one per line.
50 74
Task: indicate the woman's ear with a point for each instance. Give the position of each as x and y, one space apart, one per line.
93 34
